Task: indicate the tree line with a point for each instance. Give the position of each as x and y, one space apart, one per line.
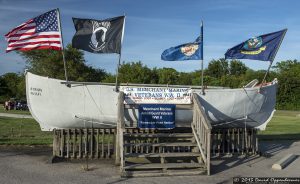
219 72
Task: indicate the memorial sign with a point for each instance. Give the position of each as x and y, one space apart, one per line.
156 95
160 116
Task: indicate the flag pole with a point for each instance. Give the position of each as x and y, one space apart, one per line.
266 73
119 63
262 82
272 59
202 72
62 44
117 73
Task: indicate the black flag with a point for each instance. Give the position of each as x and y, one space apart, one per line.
98 36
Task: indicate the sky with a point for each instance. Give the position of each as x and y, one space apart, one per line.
153 26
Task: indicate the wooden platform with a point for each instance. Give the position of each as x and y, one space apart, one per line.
167 153
153 152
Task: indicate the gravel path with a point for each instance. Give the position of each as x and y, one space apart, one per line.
29 165
15 115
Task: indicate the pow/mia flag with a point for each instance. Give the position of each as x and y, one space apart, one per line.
98 36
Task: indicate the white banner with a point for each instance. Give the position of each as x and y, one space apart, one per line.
156 95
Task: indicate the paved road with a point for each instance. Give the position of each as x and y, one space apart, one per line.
28 165
15 115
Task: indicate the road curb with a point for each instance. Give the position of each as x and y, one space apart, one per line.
285 161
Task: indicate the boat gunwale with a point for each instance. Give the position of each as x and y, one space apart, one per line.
210 88
140 85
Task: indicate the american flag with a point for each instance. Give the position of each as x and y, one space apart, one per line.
41 32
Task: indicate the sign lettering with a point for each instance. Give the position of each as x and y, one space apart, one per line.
160 116
156 95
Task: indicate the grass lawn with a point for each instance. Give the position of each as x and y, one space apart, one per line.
285 125
2 110
22 132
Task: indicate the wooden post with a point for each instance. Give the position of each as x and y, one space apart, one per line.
92 143
86 143
74 143
219 142
120 127
213 142
117 146
68 143
243 141
102 143
114 142
62 145
54 146
108 144
223 141
80 144
238 141
232 141
208 151
97 144
228 141
256 142
246 141
251 141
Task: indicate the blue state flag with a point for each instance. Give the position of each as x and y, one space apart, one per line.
262 47
187 51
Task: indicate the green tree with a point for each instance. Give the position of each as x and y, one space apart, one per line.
11 81
237 68
12 85
232 81
289 84
109 78
167 76
196 77
4 91
3 87
49 63
217 68
184 78
21 88
134 72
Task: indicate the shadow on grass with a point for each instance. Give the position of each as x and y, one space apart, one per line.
276 137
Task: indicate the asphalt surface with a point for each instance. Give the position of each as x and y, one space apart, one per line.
29 165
